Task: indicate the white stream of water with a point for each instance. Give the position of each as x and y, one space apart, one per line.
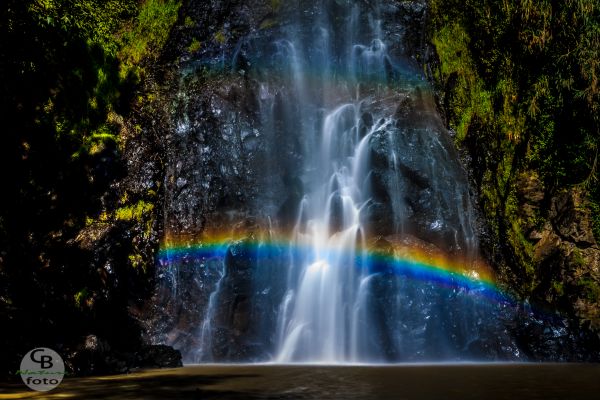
323 315
334 88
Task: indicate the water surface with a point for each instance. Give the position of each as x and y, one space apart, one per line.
439 381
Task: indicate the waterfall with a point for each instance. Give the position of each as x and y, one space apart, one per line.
203 353
324 315
356 192
328 295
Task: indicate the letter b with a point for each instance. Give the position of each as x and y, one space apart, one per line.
45 361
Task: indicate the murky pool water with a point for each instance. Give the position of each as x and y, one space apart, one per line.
464 381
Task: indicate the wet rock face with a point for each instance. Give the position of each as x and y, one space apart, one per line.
572 218
557 271
222 168
182 295
417 176
567 258
246 303
218 157
212 148
212 151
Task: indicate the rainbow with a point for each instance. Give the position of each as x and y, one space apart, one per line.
406 76
410 261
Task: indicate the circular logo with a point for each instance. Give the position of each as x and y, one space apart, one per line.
42 369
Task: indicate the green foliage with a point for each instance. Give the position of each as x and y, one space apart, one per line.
64 93
469 101
220 37
136 260
275 4
590 289
520 84
268 23
95 20
134 212
578 259
81 297
99 141
595 208
149 32
189 22
194 46
540 62
559 288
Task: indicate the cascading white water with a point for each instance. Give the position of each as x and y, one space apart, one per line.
328 295
323 317
352 156
203 352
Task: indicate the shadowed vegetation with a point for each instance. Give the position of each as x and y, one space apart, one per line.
70 72
520 86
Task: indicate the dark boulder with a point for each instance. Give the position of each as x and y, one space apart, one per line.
94 356
158 356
